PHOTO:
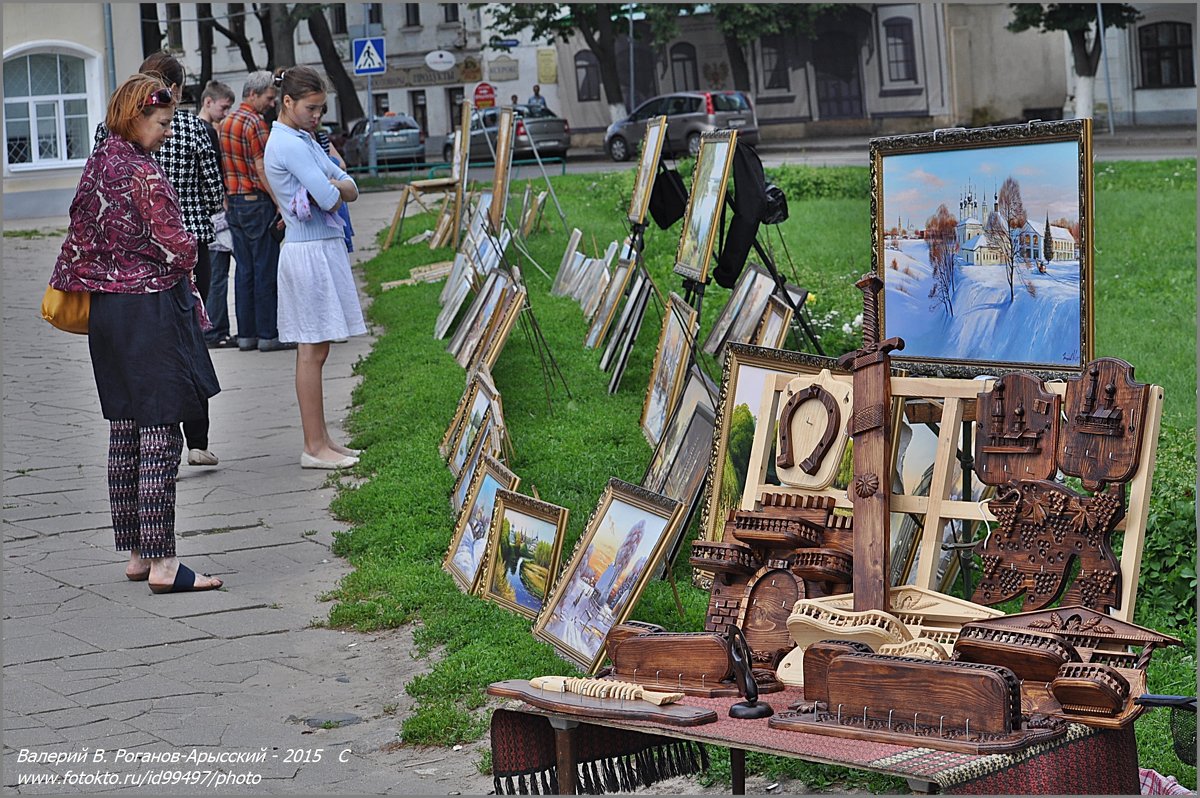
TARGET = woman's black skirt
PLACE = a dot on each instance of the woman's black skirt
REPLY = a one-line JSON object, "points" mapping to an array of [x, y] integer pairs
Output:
{"points": [[149, 357]]}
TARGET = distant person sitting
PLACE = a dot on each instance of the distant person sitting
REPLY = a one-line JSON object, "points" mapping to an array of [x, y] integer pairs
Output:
{"points": [[514, 100], [536, 100]]}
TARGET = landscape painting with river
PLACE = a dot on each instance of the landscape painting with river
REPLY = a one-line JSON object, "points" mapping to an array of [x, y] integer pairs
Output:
{"points": [[524, 561]]}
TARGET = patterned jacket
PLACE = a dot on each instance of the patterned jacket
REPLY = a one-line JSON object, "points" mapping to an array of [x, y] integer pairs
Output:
{"points": [[190, 163], [127, 234]]}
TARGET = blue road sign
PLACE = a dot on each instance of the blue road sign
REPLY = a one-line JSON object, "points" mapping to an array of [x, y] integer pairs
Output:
{"points": [[508, 43], [369, 56]]}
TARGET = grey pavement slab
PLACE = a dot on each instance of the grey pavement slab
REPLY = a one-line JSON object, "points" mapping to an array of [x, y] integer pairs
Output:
{"points": [[92, 660]]}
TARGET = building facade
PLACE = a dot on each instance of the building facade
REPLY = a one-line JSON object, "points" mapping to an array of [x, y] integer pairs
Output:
{"points": [[56, 85]]}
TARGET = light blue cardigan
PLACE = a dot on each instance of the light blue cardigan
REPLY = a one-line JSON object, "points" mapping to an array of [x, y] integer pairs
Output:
{"points": [[293, 161]]}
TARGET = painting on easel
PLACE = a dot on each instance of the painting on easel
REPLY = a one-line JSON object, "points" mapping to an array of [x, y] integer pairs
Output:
{"points": [[983, 239], [713, 166], [652, 143]]}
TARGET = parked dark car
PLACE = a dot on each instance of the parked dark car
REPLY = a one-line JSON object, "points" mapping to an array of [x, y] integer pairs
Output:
{"points": [[550, 132], [398, 137], [689, 114]]}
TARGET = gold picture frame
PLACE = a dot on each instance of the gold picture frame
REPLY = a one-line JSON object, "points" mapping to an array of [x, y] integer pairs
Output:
{"points": [[607, 309], [500, 175], [700, 221], [468, 544], [543, 525], [772, 328], [993, 264], [669, 369], [643, 182], [630, 527], [479, 394]]}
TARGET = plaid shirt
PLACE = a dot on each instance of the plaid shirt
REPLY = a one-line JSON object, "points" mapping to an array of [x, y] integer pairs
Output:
{"points": [[243, 140], [191, 166]]}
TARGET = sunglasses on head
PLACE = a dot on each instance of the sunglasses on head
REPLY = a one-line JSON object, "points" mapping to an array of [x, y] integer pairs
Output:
{"points": [[160, 97]]}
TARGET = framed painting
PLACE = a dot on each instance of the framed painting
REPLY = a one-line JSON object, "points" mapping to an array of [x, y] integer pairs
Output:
{"points": [[458, 294], [523, 559], [608, 305], [501, 173], [752, 274], [983, 239], [487, 444], [738, 407], [478, 312], [667, 373], [628, 334], [568, 260], [465, 439], [700, 220], [596, 289], [477, 341], [635, 289], [699, 391], [622, 545], [652, 143], [492, 344], [773, 327], [479, 394], [468, 545]]}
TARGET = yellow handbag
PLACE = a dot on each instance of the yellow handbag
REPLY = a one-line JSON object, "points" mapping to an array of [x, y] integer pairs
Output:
{"points": [[67, 310]]}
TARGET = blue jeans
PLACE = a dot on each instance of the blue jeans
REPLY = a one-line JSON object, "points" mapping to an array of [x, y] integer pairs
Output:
{"points": [[217, 303], [257, 254]]}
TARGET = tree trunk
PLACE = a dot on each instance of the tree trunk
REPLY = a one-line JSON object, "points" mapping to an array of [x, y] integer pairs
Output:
{"points": [[263, 12], [1084, 96], [236, 33], [151, 32], [738, 68], [283, 29], [349, 107], [204, 30], [601, 40]]}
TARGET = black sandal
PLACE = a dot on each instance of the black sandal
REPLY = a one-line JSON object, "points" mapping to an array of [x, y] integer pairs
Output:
{"points": [[185, 582]]}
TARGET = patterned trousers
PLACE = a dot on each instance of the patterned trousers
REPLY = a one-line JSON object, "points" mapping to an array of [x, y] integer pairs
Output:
{"points": [[142, 465]]}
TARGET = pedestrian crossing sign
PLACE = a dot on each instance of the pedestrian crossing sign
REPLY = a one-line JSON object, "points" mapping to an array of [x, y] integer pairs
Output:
{"points": [[368, 56]]}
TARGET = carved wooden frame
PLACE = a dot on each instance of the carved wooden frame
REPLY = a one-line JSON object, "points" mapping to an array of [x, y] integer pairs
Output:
{"points": [[477, 381], [777, 308], [507, 480], [487, 443], [500, 176], [637, 498], [684, 317], [493, 341], [1077, 130], [534, 508]]}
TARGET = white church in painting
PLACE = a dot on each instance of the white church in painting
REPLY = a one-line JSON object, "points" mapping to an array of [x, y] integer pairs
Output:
{"points": [[972, 241]]}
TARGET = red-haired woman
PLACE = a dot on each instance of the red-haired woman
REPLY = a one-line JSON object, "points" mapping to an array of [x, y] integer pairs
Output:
{"points": [[127, 244]]}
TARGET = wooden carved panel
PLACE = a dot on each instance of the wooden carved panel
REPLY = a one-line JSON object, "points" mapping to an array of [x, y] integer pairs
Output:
{"points": [[1043, 528], [1018, 424], [812, 430], [1105, 409], [770, 596]]}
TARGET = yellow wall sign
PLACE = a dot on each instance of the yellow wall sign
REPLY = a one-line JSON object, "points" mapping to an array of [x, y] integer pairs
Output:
{"points": [[547, 65]]}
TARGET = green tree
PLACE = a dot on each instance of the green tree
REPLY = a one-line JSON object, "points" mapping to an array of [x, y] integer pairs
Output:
{"points": [[742, 23], [741, 439], [1079, 22], [595, 22], [1047, 242]]}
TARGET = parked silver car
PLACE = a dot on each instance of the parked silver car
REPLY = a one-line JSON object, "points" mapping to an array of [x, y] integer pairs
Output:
{"points": [[398, 137], [550, 132], [689, 114]]}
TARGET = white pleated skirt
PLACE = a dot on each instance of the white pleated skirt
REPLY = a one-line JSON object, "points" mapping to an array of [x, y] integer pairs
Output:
{"points": [[318, 300]]}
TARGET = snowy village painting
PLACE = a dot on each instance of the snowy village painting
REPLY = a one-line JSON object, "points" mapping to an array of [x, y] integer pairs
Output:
{"points": [[470, 540], [983, 250], [622, 545]]}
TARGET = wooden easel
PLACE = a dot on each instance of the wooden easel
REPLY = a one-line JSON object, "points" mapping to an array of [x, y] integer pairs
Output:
{"points": [[453, 185], [955, 398]]}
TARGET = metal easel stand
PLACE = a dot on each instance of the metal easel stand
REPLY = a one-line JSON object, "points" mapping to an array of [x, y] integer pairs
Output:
{"points": [[535, 336], [550, 186]]}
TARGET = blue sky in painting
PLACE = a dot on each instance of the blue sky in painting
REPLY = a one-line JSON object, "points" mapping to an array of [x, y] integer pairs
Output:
{"points": [[915, 184]]}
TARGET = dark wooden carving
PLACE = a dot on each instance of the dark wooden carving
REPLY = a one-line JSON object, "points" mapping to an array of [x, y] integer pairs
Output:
{"points": [[812, 463], [954, 706], [665, 660], [621, 631], [1090, 690], [1032, 656], [786, 521], [869, 428], [1105, 409], [1086, 629], [590, 706], [823, 565], [727, 560], [1044, 527], [816, 665], [1018, 424], [770, 595]]}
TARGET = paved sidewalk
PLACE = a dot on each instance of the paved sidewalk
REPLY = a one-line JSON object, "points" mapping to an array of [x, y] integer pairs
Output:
{"points": [[92, 661]]}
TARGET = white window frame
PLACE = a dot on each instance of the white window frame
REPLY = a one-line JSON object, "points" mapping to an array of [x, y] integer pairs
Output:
{"points": [[93, 94]]}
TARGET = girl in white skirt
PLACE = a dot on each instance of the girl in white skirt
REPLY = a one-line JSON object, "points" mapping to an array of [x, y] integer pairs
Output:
{"points": [[318, 302]]}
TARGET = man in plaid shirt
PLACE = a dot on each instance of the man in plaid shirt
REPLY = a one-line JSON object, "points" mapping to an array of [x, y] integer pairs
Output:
{"points": [[251, 214]]}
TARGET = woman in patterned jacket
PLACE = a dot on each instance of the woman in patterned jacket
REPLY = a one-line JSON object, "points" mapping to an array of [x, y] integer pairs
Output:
{"points": [[127, 244]]}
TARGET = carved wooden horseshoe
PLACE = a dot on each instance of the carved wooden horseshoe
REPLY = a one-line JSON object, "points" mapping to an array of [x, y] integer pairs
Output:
{"points": [[811, 464]]}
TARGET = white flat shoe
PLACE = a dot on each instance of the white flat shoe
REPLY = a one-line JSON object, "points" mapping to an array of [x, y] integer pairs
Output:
{"points": [[308, 461], [201, 457]]}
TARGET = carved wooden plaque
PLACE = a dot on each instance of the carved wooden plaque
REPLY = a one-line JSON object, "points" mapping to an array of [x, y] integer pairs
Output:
{"points": [[770, 596], [1105, 409], [812, 430], [1017, 430], [1044, 527]]}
